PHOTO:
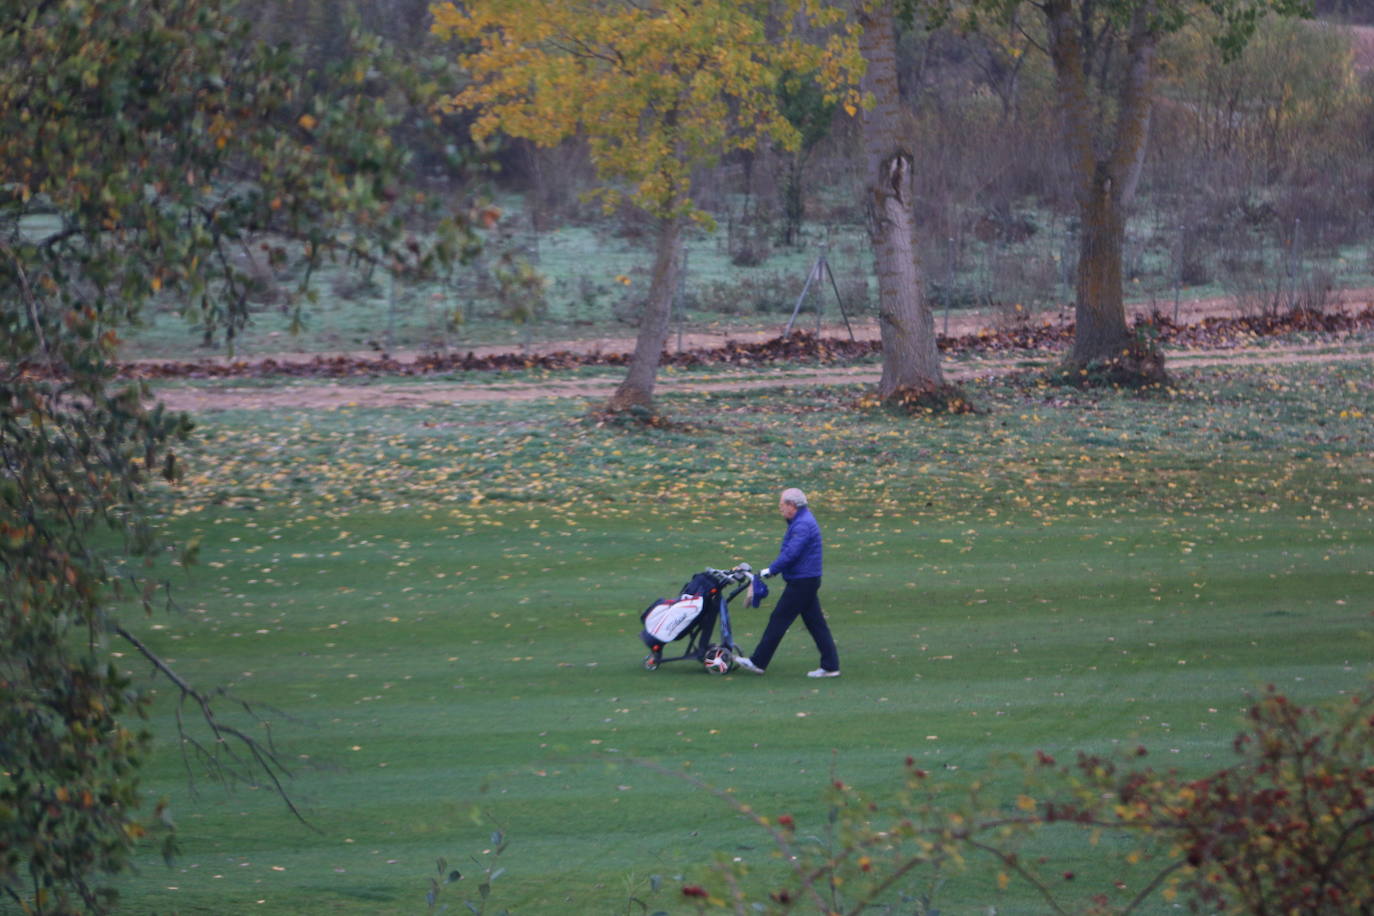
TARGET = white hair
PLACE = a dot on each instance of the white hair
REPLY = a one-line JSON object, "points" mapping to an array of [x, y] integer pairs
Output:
{"points": [[794, 496]]}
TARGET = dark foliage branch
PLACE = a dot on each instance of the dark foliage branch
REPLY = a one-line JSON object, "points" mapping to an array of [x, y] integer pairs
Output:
{"points": [[224, 755], [156, 140]]}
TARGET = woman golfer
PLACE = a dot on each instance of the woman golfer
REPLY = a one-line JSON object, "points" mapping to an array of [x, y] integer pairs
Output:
{"points": [[799, 564]]}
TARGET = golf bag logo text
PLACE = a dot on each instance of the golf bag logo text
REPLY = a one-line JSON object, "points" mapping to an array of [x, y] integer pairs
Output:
{"points": [[666, 620]]}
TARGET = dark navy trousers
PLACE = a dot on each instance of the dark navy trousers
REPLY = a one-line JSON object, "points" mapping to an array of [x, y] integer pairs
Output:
{"points": [[800, 598]]}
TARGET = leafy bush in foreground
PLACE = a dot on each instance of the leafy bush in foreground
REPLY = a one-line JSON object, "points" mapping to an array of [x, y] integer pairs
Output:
{"points": [[1287, 828]]}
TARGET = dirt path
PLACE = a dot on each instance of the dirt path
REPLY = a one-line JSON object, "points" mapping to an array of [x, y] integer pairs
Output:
{"points": [[956, 324], [289, 393], [307, 395]]}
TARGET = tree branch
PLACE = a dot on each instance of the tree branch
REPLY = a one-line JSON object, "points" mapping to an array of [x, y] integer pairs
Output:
{"points": [[1011, 862], [1150, 888], [779, 837], [31, 304], [1136, 102], [264, 758]]}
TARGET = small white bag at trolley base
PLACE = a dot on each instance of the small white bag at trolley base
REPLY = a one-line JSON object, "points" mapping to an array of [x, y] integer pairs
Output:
{"points": [[692, 616]]}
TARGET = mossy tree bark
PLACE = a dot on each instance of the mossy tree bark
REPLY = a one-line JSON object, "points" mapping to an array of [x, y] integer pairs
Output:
{"points": [[911, 358], [1106, 159]]}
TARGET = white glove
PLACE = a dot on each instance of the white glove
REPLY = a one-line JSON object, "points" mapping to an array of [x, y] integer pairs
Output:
{"points": [[766, 572]]}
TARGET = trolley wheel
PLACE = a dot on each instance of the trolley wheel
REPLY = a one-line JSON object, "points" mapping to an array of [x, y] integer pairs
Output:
{"points": [[650, 663], [718, 660]]}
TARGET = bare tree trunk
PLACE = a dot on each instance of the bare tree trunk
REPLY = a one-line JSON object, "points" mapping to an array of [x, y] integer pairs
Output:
{"points": [[637, 390], [911, 359], [1100, 330], [793, 206], [1105, 178]]}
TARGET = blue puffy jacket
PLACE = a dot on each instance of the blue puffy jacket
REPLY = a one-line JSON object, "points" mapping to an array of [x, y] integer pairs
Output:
{"points": [[800, 554]]}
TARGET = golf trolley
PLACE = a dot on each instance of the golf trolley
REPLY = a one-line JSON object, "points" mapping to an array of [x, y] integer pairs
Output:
{"points": [[692, 616]]}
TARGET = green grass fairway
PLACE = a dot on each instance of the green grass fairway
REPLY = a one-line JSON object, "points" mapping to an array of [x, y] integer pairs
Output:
{"points": [[438, 612]]}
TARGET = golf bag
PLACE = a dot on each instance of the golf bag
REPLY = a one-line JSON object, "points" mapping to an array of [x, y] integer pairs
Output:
{"points": [[693, 615]]}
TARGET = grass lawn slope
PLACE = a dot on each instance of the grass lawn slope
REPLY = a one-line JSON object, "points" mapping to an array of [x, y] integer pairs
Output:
{"points": [[437, 611]]}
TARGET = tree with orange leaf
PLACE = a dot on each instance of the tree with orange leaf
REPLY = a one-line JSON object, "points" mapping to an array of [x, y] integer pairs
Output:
{"points": [[657, 90]]}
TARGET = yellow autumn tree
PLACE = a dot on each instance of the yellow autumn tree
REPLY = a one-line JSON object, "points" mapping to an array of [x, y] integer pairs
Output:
{"points": [[657, 90]]}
